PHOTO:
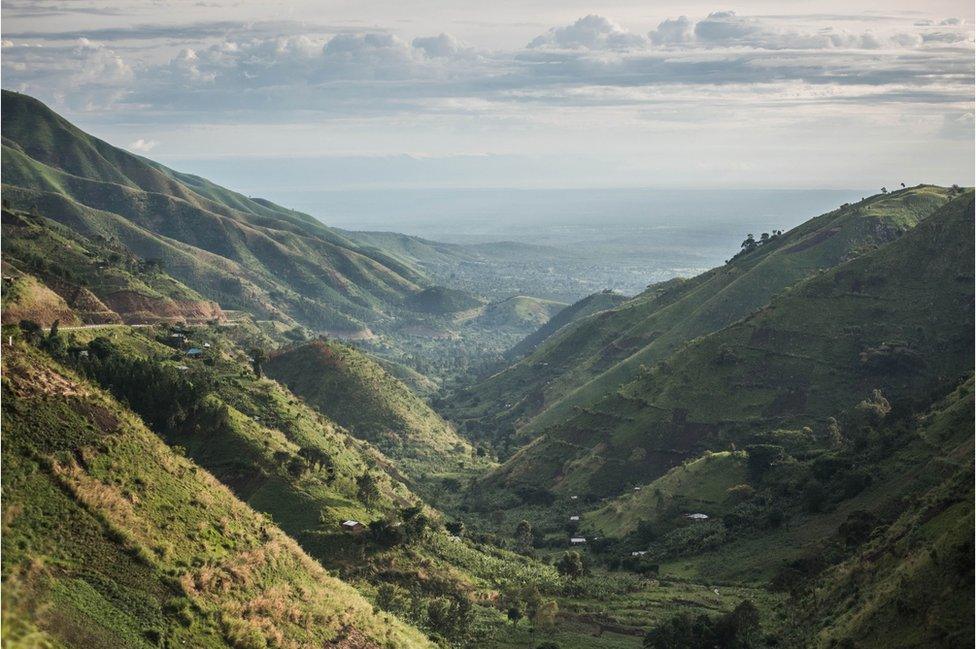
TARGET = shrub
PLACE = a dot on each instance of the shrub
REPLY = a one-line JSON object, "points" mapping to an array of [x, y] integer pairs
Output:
{"points": [[814, 496], [762, 457], [694, 538], [571, 565]]}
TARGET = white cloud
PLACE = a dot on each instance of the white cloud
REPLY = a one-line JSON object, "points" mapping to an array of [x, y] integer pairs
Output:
{"points": [[142, 145], [726, 29], [590, 32], [672, 32], [442, 45]]}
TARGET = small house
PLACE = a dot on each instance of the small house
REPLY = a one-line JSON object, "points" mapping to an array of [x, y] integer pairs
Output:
{"points": [[574, 519], [352, 526], [637, 488], [194, 352], [206, 345], [638, 553], [573, 497], [697, 517], [182, 368], [577, 540]]}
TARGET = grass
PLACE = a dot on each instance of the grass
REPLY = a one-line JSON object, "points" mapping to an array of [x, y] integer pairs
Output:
{"points": [[587, 306], [355, 391], [112, 539], [700, 485]]}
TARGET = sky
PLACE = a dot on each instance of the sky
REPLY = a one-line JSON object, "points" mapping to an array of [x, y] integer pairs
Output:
{"points": [[333, 94]]}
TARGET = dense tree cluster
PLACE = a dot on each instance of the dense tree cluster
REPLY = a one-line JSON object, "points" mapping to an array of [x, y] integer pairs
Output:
{"points": [[738, 629]]}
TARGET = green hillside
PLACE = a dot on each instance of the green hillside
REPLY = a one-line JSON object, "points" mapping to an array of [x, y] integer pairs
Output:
{"points": [[897, 319], [27, 298], [302, 472], [597, 355], [352, 389], [112, 539], [99, 279], [239, 252], [910, 585], [871, 536], [587, 306]]}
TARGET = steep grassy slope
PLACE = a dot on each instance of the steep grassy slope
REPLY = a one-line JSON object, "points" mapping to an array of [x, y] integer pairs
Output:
{"points": [[587, 306], [301, 470], [252, 434], [360, 395], [111, 539], [27, 298], [596, 355], [240, 252], [898, 319], [101, 280], [911, 583]]}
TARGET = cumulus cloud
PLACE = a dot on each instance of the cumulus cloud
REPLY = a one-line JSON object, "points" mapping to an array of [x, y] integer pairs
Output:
{"points": [[440, 46], [725, 29], [590, 33], [142, 145], [673, 32], [84, 74]]}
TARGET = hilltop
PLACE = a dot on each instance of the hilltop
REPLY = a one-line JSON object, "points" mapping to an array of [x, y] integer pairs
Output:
{"points": [[520, 311]]}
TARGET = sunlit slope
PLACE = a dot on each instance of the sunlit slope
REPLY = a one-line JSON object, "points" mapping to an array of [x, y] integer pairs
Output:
{"points": [[97, 278], [355, 391], [596, 355], [112, 539], [273, 260], [898, 319], [252, 434]]}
